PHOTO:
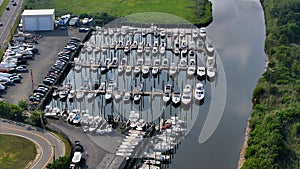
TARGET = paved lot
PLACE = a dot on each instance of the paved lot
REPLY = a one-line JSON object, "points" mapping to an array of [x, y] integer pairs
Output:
{"points": [[49, 45]]}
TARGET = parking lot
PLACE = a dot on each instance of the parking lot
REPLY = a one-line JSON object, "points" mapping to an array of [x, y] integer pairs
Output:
{"points": [[48, 47]]}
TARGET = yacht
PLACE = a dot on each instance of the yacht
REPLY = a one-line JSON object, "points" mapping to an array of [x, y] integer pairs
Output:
{"points": [[155, 68], [162, 48], [134, 45], [173, 69], [209, 48], [146, 67], [128, 69], [176, 97], [191, 67], [176, 47], [71, 95], [199, 91], [139, 89], [117, 95], [109, 91], [201, 71], [211, 72], [167, 93], [147, 47], [210, 61], [182, 63], [127, 97], [186, 94], [202, 32], [195, 33], [165, 62], [140, 47], [155, 47]]}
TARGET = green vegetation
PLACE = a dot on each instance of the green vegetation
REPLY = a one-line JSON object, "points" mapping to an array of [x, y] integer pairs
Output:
{"points": [[3, 6], [275, 137], [16, 152], [103, 11], [60, 163]]}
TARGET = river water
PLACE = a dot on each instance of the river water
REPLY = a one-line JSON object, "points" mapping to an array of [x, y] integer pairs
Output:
{"points": [[238, 33]]}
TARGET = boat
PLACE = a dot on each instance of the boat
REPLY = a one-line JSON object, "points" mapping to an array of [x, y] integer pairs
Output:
{"points": [[74, 21], [128, 69], [162, 34], [77, 66], [134, 45], [140, 47], [63, 95], [49, 112], [147, 47], [201, 71], [176, 47], [165, 62], [55, 94], [182, 63], [195, 33], [173, 69], [155, 47], [202, 32], [155, 68], [117, 95], [211, 72], [79, 94], [126, 49], [90, 96], [210, 61], [186, 94], [85, 21], [209, 48], [77, 157], [93, 64], [176, 97], [167, 93], [191, 67], [77, 118], [127, 96], [162, 48], [71, 116], [121, 66], [184, 47], [146, 67], [139, 88], [199, 91]]}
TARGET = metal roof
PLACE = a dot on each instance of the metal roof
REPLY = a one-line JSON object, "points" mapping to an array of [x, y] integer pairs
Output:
{"points": [[38, 12]]}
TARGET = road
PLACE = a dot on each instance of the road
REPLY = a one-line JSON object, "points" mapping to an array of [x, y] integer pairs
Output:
{"points": [[8, 18], [49, 146]]}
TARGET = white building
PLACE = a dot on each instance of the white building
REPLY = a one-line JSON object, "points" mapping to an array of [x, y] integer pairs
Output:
{"points": [[38, 20]]}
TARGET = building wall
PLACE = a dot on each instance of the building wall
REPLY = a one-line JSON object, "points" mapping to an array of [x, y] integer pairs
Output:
{"points": [[33, 22]]}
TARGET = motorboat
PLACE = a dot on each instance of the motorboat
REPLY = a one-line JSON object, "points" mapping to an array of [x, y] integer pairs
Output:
{"points": [[136, 70], [211, 72], [76, 157], [167, 93], [134, 45], [176, 97], [128, 69], [209, 48], [210, 61], [201, 71], [146, 67], [182, 63], [184, 47], [140, 48], [155, 68], [202, 32], [155, 47], [85, 21], [91, 95], [71, 95], [77, 118], [186, 94], [77, 66], [126, 49], [79, 94], [195, 33], [176, 47], [199, 91], [165, 62], [173, 69], [162, 48], [191, 67], [117, 95], [63, 95], [127, 96], [121, 66], [55, 94], [139, 89], [147, 47]]}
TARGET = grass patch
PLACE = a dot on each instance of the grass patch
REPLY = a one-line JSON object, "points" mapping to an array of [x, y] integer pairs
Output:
{"points": [[67, 144], [195, 11], [3, 5], [16, 152]]}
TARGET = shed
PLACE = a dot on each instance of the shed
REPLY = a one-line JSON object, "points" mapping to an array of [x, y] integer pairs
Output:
{"points": [[38, 20]]}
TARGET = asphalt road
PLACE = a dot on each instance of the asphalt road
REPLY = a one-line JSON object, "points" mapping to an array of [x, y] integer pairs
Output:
{"points": [[49, 146], [8, 18]]}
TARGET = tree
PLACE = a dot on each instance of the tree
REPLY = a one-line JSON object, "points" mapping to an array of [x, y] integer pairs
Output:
{"points": [[60, 163]]}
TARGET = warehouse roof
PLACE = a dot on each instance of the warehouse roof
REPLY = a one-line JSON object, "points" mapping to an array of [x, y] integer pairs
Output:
{"points": [[38, 12]]}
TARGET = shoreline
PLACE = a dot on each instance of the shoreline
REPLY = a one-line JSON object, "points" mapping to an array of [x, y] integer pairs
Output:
{"points": [[242, 158]]}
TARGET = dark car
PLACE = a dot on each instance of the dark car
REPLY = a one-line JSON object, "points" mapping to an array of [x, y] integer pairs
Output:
{"points": [[1, 23], [7, 8], [14, 4]]}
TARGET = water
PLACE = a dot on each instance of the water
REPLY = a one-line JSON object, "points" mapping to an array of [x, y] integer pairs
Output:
{"points": [[238, 32]]}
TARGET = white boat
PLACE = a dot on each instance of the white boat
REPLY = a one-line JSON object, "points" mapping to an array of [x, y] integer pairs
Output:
{"points": [[165, 62], [77, 65], [176, 47], [167, 93], [117, 95], [173, 69], [134, 45], [162, 147], [176, 97], [49, 112], [128, 69], [79, 94], [186, 94], [91, 95], [182, 63], [195, 33], [191, 67], [63, 95], [146, 67], [147, 47], [211, 72], [209, 48], [210, 61], [71, 117], [136, 70], [108, 93], [162, 48], [199, 91], [140, 47], [155, 68], [77, 157], [127, 96], [126, 49], [77, 118], [192, 45], [139, 88], [155, 47], [85, 21], [74, 21], [201, 71], [101, 86], [202, 32]]}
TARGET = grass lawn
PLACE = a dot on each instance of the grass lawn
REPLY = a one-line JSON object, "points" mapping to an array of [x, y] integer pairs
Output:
{"points": [[195, 11], [16, 152]]}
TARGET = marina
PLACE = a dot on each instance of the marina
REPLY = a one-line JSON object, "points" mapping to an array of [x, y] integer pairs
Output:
{"points": [[143, 88]]}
